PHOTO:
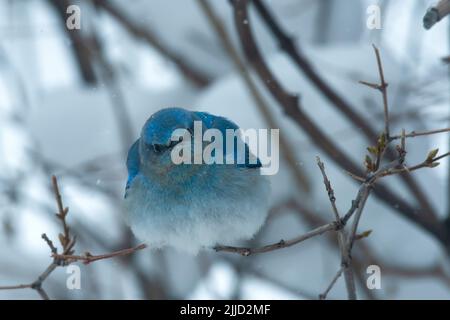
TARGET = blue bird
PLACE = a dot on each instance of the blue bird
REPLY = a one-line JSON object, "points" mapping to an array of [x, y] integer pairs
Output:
{"points": [[190, 206]]}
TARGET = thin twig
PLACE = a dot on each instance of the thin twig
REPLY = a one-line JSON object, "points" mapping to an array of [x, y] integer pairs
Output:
{"points": [[426, 164], [197, 77], [245, 251], [287, 44], [436, 13], [291, 107], [19, 286], [345, 254], [329, 189], [383, 88], [88, 258], [78, 42], [67, 256], [423, 133], [323, 295]]}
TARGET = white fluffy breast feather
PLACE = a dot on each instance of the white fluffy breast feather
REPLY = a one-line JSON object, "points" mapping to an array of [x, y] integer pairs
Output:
{"points": [[201, 215]]}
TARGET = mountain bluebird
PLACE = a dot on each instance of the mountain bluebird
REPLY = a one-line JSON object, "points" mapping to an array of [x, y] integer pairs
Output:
{"points": [[190, 206]]}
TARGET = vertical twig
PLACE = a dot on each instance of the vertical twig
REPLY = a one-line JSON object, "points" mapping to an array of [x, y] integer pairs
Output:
{"points": [[287, 44], [67, 256], [345, 254], [291, 107], [383, 88]]}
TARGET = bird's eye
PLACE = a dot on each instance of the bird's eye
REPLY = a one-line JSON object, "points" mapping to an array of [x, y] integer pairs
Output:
{"points": [[157, 148], [173, 143]]}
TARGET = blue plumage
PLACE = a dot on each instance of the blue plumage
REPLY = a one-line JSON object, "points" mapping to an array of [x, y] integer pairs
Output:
{"points": [[190, 206]]}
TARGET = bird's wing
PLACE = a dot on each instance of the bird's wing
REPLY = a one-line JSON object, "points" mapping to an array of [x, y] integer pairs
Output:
{"points": [[132, 163]]}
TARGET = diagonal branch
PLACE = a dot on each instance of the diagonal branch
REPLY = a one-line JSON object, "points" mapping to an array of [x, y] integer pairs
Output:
{"points": [[414, 134], [290, 105], [286, 43], [436, 13], [197, 77], [245, 251], [346, 266], [88, 257], [80, 50], [260, 102], [67, 257]]}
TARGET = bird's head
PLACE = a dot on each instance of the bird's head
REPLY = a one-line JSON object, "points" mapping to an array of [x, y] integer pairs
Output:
{"points": [[167, 132], [157, 140]]}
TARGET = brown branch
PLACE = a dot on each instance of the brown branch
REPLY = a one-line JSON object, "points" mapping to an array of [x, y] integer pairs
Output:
{"points": [[323, 295], [290, 105], [197, 77], [423, 133], [435, 270], [428, 163], [383, 88], [329, 189], [88, 258], [66, 240], [79, 48], [227, 44], [19, 286], [287, 44], [366, 188], [345, 254], [436, 13], [245, 251], [313, 218], [67, 256], [89, 46]]}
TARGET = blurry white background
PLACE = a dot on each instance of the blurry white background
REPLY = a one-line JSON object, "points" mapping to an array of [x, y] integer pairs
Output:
{"points": [[57, 119]]}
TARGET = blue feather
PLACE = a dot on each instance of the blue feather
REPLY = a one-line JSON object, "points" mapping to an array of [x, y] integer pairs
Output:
{"points": [[223, 124]]}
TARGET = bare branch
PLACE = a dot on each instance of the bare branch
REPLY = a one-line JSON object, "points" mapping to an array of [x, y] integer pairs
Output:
{"points": [[67, 256], [374, 172], [423, 133], [79, 42], [260, 102], [88, 258], [436, 13], [383, 86], [197, 77], [323, 295], [281, 244], [428, 163], [290, 105], [287, 44], [345, 254], [329, 189]]}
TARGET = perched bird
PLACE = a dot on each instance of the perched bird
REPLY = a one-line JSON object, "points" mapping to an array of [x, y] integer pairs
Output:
{"points": [[190, 206]]}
